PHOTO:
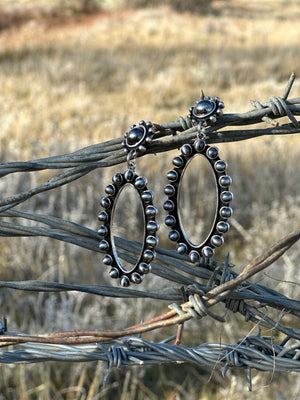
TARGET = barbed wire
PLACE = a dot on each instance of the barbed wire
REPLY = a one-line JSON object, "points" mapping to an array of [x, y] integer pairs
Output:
{"points": [[197, 290]]}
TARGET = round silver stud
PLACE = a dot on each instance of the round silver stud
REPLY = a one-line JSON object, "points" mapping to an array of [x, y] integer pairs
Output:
{"points": [[220, 166], [172, 175], [147, 196], [125, 282], [207, 252], [169, 190], [148, 256], [199, 145], [103, 216], [217, 240], [129, 175], [169, 205], [152, 241], [144, 268], [114, 273], [103, 231], [107, 260], [136, 278], [151, 211], [194, 256], [212, 119], [140, 182], [203, 108], [118, 179], [212, 152], [182, 248], [174, 236], [152, 226], [106, 202], [225, 181], [226, 197], [223, 227], [103, 245], [226, 212], [170, 220], [186, 150], [178, 162], [110, 190]]}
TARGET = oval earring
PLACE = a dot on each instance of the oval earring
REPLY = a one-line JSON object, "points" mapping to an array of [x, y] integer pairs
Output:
{"points": [[135, 142], [205, 110]]}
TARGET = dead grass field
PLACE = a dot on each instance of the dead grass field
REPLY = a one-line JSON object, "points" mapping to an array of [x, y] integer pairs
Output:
{"points": [[70, 82]]}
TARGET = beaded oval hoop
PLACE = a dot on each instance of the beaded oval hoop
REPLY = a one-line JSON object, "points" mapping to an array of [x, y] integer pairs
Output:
{"points": [[135, 141], [205, 110]]}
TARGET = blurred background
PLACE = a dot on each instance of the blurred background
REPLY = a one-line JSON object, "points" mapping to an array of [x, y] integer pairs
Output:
{"points": [[79, 72]]}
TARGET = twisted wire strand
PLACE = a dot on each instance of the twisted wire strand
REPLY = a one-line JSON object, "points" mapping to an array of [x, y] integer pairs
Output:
{"points": [[257, 353]]}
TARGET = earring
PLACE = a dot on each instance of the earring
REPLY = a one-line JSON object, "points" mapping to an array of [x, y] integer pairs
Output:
{"points": [[205, 111], [135, 143]]}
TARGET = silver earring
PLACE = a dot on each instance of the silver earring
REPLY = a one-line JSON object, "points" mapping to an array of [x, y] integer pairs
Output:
{"points": [[205, 111], [135, 143]]}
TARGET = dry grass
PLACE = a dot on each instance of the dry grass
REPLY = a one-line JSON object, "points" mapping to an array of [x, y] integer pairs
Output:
{"points": [[67, 83]]}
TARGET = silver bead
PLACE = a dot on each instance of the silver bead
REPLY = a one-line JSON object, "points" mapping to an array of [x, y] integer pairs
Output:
{"points": [[169, 190], [144, 268], [114, 273], [169, 205], [194, 256], [106, 202], [136, 278], [182, 248], [151, 211], [203, 108], [134, 136], [212, 152], [141, 149], [172, 175], [212, 119], [103, 245], [118, 179], [186, 150], [103, 231], [152, 226], [226, 197], [207, 252], [199, 145], [125, 282], [110, 190], [152, 241], [140, 182], [103, 216], [221, 104], [225, 181], [148, 256], [147, 196], [219, 112], [178, 162], [129, 175], [170, 220], [226, 212], [220, 166], [217, 240], [107, 260], [174, 236], [223, 226]]}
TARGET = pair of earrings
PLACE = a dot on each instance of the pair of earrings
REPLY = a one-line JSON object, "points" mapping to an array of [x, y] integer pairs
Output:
{"points": [[135, 142]]}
